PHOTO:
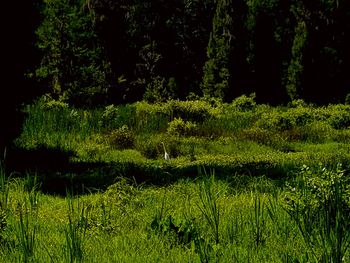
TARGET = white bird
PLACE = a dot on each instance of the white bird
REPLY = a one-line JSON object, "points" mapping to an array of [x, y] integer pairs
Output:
{"points": [[166, 155]]}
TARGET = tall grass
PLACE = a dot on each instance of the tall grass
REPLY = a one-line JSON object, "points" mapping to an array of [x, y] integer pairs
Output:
{"points": [[75, 230], [321, 210], [209, 206], [26, 234], [203, 220]]}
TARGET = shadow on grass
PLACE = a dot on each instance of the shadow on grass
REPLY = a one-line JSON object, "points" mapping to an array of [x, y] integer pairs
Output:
{"points": [[57, 174]]}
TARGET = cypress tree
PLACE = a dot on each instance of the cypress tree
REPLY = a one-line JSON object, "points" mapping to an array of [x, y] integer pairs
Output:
{"points": [[295, 68], [216, 79]]}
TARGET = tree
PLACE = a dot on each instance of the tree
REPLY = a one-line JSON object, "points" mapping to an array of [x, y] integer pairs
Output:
{"points": [[295, 68], [73, 64], [216, 79]]}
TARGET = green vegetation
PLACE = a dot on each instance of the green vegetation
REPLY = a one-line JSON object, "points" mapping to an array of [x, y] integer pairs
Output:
{"points": [[237, 137], [241, 218], [84, 176]]}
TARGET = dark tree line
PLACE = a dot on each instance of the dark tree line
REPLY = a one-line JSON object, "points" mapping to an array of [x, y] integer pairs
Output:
{"points": [[99, 51], [92, 52]]}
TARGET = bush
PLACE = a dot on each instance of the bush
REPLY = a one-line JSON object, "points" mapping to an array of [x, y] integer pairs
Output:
{"points": [[180, 127], [269, 120], [48, 103], [244, 103], [317, 132], [158, 90], [150, 147], [197, 110], [258, 135], [319, 204], [121, 138], [340, 119], [109, 116]]}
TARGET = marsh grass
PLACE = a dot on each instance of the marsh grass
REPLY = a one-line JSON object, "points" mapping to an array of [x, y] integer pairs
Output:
{"points": [[239, 215], [258, 139], [75, 230], [209, 206], [319, 206], [26, 233], [208, 219]]}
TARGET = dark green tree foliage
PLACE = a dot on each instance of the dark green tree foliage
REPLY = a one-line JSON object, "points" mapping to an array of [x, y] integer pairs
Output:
{"points": [[161, 49], [216, 79], [295, 68], [73, 64]]}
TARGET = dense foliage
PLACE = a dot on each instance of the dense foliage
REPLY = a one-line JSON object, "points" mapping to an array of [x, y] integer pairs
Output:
{"points": [[123, 51]]}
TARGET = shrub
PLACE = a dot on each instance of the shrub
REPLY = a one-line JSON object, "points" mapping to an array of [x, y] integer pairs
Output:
{"points": [[149, 147], [109, 115], [286, 119], [319, 204], [48, 103], [158, 90], [316, 132], [91, 148], [297, 103], [301, 116], [196, 110], [152, 117], [244, 103], [340, 119], [258, 135], [3, 221], [180, 127], [121, 138], [268, 120], [347, 99]]}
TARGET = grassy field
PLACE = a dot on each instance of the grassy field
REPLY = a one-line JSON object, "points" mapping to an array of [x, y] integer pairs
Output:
{"points": [[244, 219], [244, 183]]}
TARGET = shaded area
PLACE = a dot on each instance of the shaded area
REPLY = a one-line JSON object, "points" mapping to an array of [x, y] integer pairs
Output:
{"points": [[57, 174]]}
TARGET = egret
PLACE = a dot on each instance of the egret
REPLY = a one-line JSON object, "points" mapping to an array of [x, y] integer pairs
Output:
{"points": [[166, 155]]}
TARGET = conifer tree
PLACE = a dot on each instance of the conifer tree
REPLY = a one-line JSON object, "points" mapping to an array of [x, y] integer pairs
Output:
{"points": [[216, 77], [72, 65], [295, 68]]}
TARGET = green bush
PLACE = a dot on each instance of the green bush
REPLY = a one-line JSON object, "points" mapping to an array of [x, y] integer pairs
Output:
{"points": [[257, 134], [109, 116], [284, 119], [319, 204], [269, 120], [317, 132], [151, 117], [121, 138], [149, 146], [244, 103], [180, 127], [340, 119], [297, 103], [197, 110], [48, 103]]}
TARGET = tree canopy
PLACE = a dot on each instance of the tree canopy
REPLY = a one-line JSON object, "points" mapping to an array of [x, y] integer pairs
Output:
{"points": [[93, 52]]}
